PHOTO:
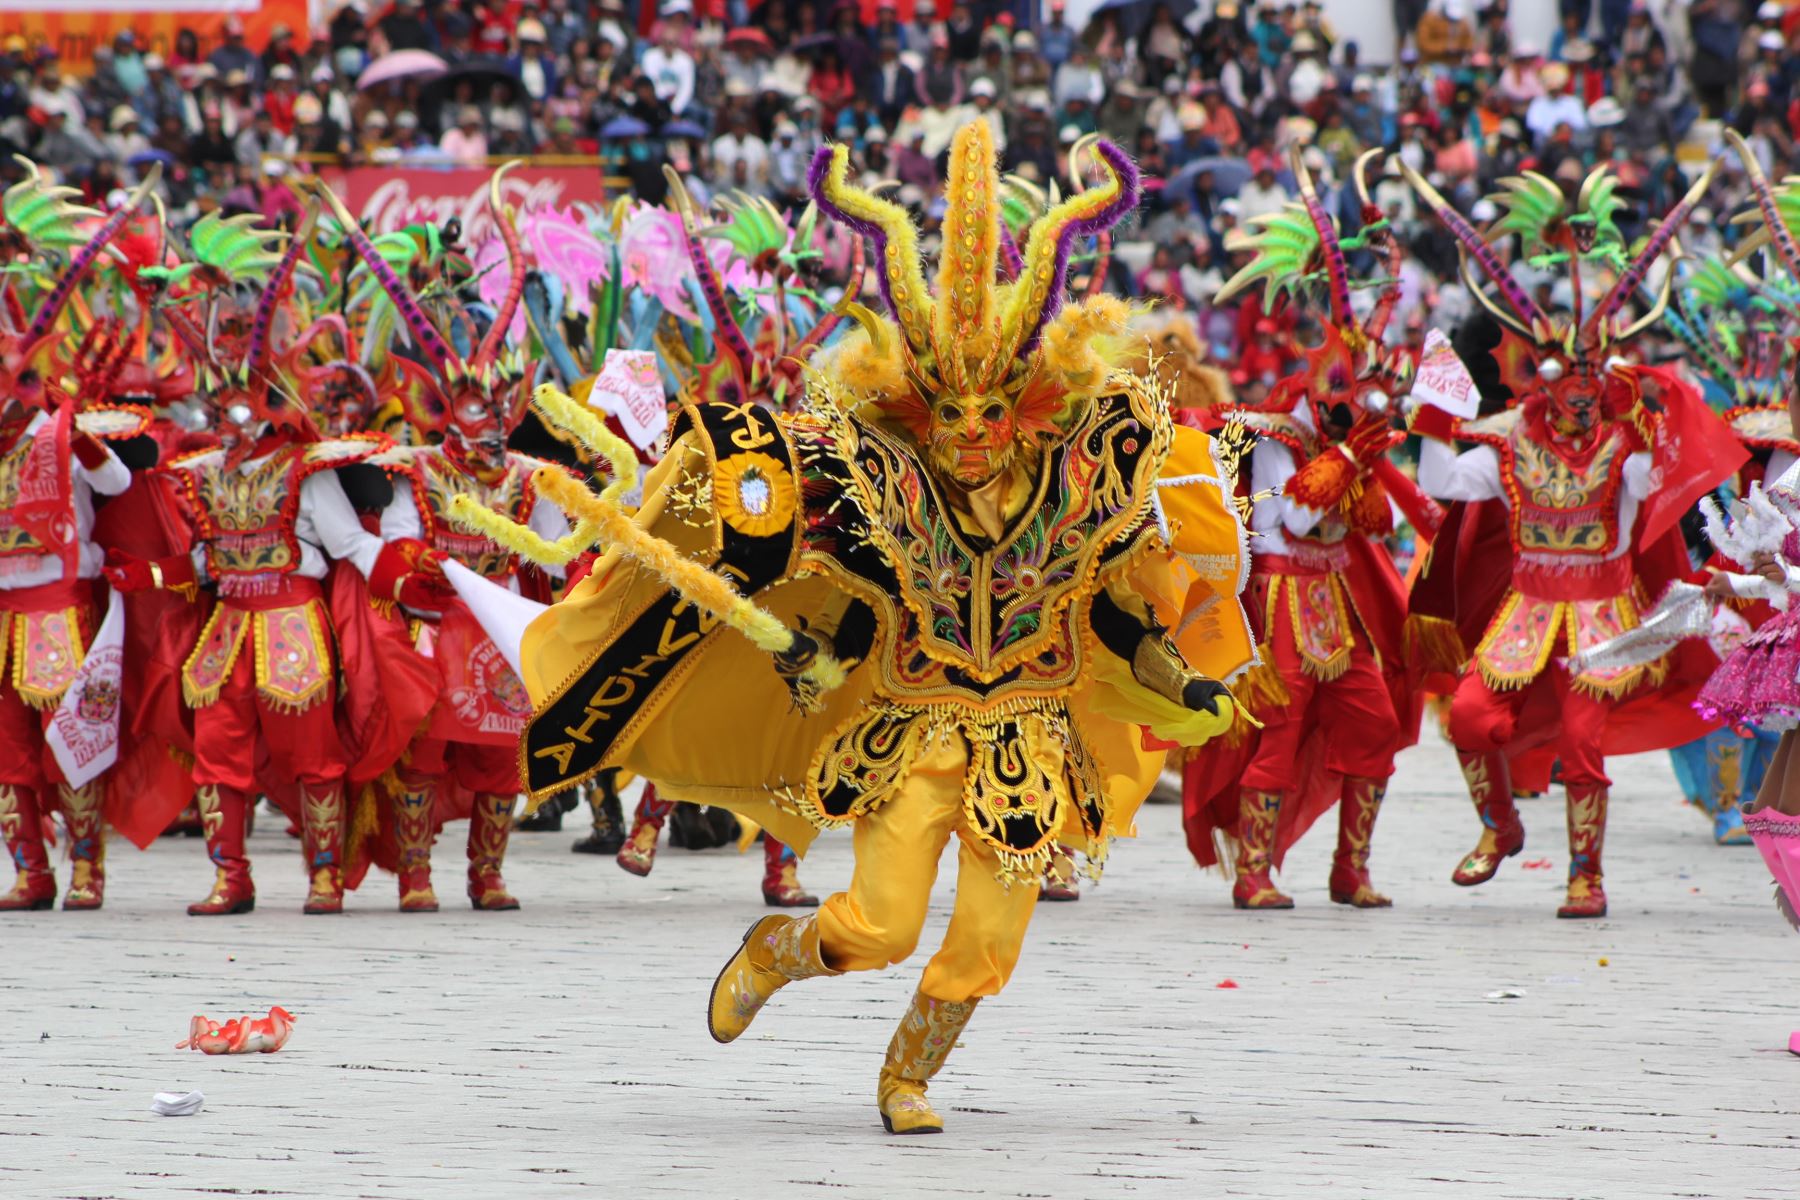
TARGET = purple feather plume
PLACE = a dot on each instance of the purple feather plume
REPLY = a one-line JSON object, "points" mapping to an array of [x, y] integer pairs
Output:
{"points": [[1011, 261], [1130, 192]]}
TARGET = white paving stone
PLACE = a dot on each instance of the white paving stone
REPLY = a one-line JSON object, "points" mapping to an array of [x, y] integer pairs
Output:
{"points": [[562, 1049]]}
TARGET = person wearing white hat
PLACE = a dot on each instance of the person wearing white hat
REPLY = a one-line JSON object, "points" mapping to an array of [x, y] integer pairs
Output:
{"points": [[322, 86], [983, 108], [125, 139], [535, 68], [1605, 113]]}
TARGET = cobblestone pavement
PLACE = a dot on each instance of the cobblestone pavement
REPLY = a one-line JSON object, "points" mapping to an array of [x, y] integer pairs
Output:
{"points": [[562, 1049]]}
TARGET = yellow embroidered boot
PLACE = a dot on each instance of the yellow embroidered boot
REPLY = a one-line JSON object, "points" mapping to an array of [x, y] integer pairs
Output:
{"points": [[924, 1040], [87, 846], [775, 952], [490, 827], [1357, 810], [1257, 814], [322, 842], [412, 830]]}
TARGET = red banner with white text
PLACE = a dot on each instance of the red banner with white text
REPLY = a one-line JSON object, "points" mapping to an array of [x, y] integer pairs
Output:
{"points": [[387, 198]]}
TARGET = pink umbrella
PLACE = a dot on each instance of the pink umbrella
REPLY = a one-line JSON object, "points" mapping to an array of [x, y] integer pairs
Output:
{"points": [[401, 64]]}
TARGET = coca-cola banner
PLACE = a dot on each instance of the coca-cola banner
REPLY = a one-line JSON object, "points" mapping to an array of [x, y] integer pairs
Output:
{"points": [[387, 198]]}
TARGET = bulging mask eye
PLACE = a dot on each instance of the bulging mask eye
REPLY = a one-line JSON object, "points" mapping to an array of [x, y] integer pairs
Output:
{"points": [[1550, 370], [238, 414], [994, 413], [949, 414], [473, 411]]}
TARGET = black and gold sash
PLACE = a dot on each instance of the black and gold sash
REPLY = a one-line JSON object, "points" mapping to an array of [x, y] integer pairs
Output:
{"points": [[755, 532]]}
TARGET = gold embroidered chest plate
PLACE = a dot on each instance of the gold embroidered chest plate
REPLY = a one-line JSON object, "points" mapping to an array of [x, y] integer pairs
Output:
{"points": [[1561, 507], [438, 482], [247, 517]]}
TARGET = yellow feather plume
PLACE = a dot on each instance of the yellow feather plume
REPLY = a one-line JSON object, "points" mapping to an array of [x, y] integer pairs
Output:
{"points": [[1084, 341], [858, 366], [971, 247]]}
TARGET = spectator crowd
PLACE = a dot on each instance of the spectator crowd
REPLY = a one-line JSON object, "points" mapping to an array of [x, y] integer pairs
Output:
{"points": [[1212, 98]]}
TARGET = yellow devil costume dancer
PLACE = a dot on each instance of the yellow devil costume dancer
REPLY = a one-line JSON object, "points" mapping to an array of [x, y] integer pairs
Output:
{"points": [[954, 556]]}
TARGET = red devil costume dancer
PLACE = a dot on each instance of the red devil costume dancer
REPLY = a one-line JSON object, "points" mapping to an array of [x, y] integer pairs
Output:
{"points": [[1571, 466], [268, 515], [51, 466], [1327, 601], [471, 745]]}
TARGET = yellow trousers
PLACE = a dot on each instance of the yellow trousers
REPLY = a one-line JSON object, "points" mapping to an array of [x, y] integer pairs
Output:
{"points": [[877, 922]]}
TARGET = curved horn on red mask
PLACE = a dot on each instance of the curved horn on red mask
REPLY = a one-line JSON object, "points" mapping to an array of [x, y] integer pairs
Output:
{"points": [[1628, 281], [256, 354], [1337, 271], [52, 304], [727, 336], [1526, 316], [515, 263], [430, 341], [852, 289], [1784, 242]]}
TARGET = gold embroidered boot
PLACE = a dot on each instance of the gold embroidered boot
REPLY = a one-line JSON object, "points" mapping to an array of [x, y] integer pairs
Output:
{"points": [[924, 1040], [412, 830], [1357, 809], [490, 827], [1255, 886], [322, 837], [87, 846], [1502, 833], [34, 888], [1587, 834], [775, 952], [224, 818]]}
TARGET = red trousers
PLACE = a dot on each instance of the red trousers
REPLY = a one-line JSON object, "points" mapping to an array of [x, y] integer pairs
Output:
{"points": [[1354, 714], [477, 766], [1483, 720], [300, 745], [25, 758]]}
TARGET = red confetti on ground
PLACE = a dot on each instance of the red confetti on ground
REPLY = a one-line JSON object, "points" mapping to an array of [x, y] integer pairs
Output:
{"points": [[1227, 983], [1537, 864]]}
